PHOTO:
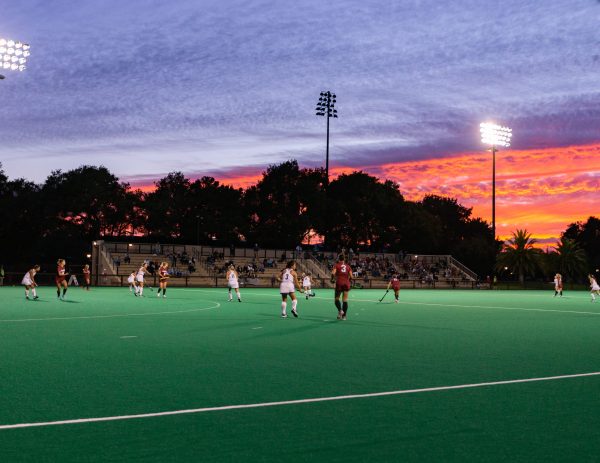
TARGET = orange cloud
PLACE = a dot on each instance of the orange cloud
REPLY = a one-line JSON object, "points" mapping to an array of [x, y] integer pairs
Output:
{"points": [[542, 190]]}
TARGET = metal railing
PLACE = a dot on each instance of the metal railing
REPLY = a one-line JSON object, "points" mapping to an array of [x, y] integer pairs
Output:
{"points": [[47, 279]]}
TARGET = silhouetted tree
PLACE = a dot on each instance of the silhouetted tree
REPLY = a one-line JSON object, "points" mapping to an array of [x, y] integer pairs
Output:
{"points": [[284, 205], [520, 255], [362, 211], [587, 236]]}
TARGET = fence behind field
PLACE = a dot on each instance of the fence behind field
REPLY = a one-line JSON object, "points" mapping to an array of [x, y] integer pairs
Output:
{"points": [[219, 281]]}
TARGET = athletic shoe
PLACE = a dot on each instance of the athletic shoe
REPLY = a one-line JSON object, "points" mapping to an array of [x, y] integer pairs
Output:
{"points": [[283, 315], [164, 296], [396, 301], [229, 300], [35, 298], [157, 294], [294, 313], [239, 300], [344, 317], [339, 317], [27, 297]]}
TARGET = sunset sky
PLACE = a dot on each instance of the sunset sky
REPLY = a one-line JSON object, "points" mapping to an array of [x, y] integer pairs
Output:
{"points": [[225, 88]]}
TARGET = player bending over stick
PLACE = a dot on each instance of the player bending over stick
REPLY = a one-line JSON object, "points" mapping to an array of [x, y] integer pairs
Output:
{"points": [[29, 282]]}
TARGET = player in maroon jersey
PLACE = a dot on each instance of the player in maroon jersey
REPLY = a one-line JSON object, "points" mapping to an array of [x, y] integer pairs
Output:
{"points": [[343, 275], [61, 278], [163, 273], [395, 285]]}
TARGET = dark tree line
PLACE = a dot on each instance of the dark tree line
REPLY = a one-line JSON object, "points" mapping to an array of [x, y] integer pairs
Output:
{"points": [[62, 216]]}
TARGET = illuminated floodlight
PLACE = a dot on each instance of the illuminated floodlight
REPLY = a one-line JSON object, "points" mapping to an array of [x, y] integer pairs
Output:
{"points": [[495, 135], [13, 55]]}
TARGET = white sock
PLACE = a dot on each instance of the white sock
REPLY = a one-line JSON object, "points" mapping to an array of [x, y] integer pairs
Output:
{"points": [[294, 304], [283, 308], [33, 292], [230, 296], [239, 296], [27, 293], [141, 290], [593, 297]]}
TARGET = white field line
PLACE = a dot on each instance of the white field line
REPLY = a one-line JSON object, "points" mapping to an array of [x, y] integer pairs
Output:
{"points": [[293, 402], [433, 304], [215, 306]]}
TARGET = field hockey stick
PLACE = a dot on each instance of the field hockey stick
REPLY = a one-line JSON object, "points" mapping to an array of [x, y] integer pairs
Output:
{"points": [[386, 291]]}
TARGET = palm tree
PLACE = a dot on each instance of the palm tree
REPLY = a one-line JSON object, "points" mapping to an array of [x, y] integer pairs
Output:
{"points": [[570, 258], [519, 255]]}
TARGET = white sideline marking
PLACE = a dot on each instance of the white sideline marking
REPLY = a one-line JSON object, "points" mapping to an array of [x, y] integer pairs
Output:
{"points": [[128, 337], [216, 306], [293, 402], [432, 304], [257, 328]]}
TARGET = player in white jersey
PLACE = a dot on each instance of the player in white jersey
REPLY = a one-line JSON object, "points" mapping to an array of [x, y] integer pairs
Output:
{"points": [[307, 285], [233, 283], [29, 282], [288, 283], [595, 289], [139, 278], [131, 281]]}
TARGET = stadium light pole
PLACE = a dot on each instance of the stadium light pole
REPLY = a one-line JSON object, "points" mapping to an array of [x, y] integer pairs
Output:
{"points": [[13, 55], [494, 135], [326, 108]]}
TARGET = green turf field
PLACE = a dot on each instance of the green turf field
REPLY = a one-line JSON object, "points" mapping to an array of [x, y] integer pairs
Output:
{"points": [[105, 353]]}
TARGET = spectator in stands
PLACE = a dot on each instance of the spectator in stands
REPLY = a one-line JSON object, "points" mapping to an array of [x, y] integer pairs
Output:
{"points": [[127, 259], [231, 250], [256, 250]]}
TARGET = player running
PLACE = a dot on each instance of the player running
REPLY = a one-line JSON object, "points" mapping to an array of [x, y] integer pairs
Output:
{"points": [[131, 281], [343, 276], [307, 285], [163, 275], [86, 277], [139, 278], [394, 283], [595, 289], [558, 285], [29, 282], [288, 283], [233, 283], [61, 279]]}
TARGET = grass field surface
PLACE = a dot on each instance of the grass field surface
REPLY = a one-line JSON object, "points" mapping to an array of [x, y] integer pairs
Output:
{"points": [[105, 376]]}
